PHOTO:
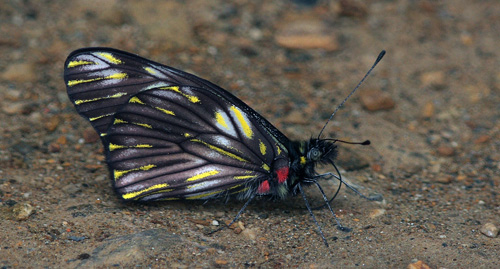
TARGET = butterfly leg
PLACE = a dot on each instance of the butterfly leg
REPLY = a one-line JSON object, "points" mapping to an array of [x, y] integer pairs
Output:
{"points": [[312, 215]]}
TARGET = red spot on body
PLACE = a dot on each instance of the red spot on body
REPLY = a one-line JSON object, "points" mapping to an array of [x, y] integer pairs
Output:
{"points": [[282, 174], [264, 187]]}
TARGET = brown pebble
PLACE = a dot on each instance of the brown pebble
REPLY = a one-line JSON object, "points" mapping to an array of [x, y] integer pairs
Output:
{"points": [[306, 34], [200, 221], [19, 72], [62, 140], [52, 123], [489, 229], [482, 139], [221, 262], [444, 179], [375, 100], [428, 110], [435, 79], [22, 211], [350, 8], [54, 147], [446, 151], [90, 135], [377, 213], [418, 265]]}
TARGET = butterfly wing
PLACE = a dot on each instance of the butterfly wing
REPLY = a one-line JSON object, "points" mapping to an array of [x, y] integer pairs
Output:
{"points": [[169, 134], [100, 80]]}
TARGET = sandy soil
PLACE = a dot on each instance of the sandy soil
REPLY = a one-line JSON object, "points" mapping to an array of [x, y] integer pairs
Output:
{"points": [[431, 109]]}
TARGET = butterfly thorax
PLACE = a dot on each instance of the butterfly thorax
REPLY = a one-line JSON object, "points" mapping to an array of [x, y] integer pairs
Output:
{"points": [[304, 156]]}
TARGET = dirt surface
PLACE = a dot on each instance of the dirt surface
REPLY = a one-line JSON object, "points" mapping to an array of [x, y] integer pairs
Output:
{"points": [[431, 109]]}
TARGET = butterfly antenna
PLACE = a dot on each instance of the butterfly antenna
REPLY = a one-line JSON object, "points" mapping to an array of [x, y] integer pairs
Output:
{"points": [[380, 56]]}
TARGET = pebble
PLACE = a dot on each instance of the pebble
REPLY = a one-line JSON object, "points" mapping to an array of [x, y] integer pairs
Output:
{"points": [[350, 8], [19, 72], [130, 248], [306, 34], [90, 135], [215, 223], [22, 211], [434, 79], [445, 151], [418, 265], [482, 139], [444, 179], [489, 229], [375, 100], [428, 110], [377, 213]]}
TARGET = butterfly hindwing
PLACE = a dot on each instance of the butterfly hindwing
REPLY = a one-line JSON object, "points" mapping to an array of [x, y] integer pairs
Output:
{"points": [[162, 145]]}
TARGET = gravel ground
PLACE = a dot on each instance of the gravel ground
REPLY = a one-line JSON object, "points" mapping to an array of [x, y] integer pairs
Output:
{"points": [[431, 109]]}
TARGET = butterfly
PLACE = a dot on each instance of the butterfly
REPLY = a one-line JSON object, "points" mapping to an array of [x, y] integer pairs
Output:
{"points": [[170, 135]]}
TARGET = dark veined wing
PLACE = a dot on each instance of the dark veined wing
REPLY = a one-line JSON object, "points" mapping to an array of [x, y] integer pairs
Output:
{"points": [[187, 143], [100, 80], [169, 134]]}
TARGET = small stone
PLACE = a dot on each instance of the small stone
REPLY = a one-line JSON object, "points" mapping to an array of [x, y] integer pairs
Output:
{"points": [[375, 100], [52, 123], [418, 265], [377, 213], [489, 229], [250, 234], [221, 262], [90, 135], [444, 179], [446, 151], [434, 79], [482, 139], [428, 110], [350, 8], [54, 147], [19, 72], [306, 34], [22, 211], [215, 223]]}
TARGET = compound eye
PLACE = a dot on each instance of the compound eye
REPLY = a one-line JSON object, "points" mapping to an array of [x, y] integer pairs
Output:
{"points": [[314, 154]]}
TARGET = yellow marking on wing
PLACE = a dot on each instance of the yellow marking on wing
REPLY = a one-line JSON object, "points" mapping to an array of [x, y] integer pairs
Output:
{"points": [[115, 146], [203, 175], [266, 167], [169, 112], [244, 177], [262, 147], [80, 81], [110, 57], [187, 135], [103, 134], [101, 116], [302, 160], [244, 124], [119, 173], [136, 100], [221, 151], [150, 70], [279, 150], [220, 119], [116, 95], [143, 125], [191, 98], [132, 195], [118, 121], [199, 196], [78, 63]]}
